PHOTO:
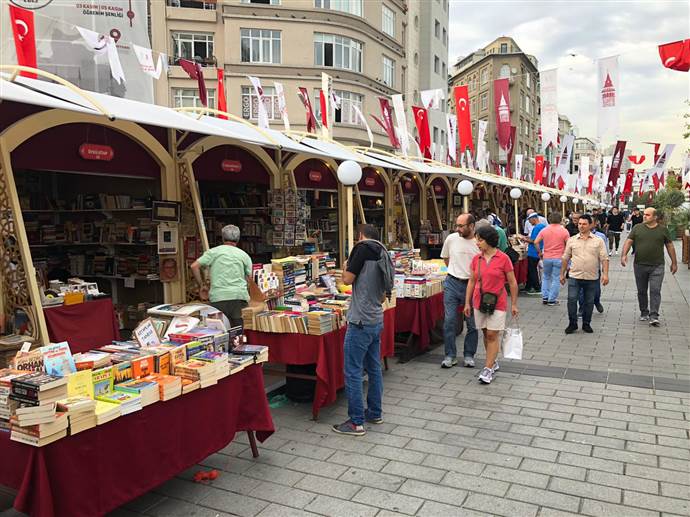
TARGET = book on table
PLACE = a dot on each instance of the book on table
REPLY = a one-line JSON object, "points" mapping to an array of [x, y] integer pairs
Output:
{"points": [[91, 360], [28, 361], [57, 359], [189, 385], [128, 402], [106, 411], [28, 439], [58, 423], [169, 386], [103, 380], [147, 389]]}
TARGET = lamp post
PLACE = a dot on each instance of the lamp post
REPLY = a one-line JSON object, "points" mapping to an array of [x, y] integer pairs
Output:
{"points": [[516, 193], [564, 199], [546, 197], [349, 174], [465, 188]]}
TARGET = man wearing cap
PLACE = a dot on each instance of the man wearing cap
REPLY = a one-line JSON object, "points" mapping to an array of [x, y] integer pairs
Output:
{"points": [[533, 286]]}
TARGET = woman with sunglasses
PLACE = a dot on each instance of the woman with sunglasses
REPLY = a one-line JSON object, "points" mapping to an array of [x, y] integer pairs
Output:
{"points": [[487, 297]]}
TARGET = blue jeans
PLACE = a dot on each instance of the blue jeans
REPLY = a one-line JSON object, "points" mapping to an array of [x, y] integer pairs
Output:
{"points": [[589, 289], [363, 352], [597, 294], [550, 279], [453, 296]]}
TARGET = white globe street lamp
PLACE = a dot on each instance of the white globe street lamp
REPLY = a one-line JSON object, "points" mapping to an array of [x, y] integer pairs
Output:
{"points": [[349, 174], [465, 188], [546, 197], [564, 200], [516, 194]]}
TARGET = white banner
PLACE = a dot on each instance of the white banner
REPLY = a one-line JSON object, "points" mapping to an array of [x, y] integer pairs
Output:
{"points": [[432, 99], [145, 58], [482, 155], [61, 50], [282, 106], [661, 164], [363, 120], [452, 135], [605, 171], [468, 154], [103, 44], [518, 166], [583, 177], [548, 89], [565, 152], [401, 123], [326, 87], [608, 91], [261, 107]]}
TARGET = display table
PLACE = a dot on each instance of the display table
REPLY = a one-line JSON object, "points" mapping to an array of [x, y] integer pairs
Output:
{"points": [[102, 468], [418, 316], [325, 351], [84, 326], [520, 268]]}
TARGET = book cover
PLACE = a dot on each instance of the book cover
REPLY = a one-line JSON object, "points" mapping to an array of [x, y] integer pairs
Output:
{"points": [[57, 359], [142, 366], [181, 325], [80, 384], [102, 381], [194, 347], [90, 360], [39, 381], [178, 355], [119, 397], [162, 363], [76, 404], [122, 372], [28, 361]]}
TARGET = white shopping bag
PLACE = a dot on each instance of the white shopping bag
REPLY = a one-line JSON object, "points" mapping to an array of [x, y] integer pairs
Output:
{"points": [[512, 343]]}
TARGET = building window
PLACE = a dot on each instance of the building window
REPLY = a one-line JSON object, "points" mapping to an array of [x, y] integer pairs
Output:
{"points": [[504, 48], [526, 102], [416, 58], [484, 100], [337, 52], [443, 70], [437, 29], [504, 72], [388, 20], [346, 114], [346, 6], [261, 2], [193, 4], [437, 65], [484, 76], [195, 46], [388, 71], [528, 79], [250, 103], [436, 135], [445, 36], [473, 106], [189, 98], [260, 46]]}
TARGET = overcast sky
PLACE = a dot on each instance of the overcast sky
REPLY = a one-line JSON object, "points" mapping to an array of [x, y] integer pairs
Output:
{"points": [[651, 101]]}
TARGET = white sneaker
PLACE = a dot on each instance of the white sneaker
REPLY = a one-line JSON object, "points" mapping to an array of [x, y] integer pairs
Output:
{"points": [[610, 253], [644, 318], [468, 362], [496, 367], [486, 375], [449, 362]]}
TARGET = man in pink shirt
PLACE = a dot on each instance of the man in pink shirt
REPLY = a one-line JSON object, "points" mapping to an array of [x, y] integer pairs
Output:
{"points": [[554, 237]]}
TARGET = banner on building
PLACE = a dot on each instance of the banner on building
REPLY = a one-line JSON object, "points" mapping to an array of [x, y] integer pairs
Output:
{"points": [[260, 104], [452, 136], [482, 155], [222, 99], [401, 123], [432, 99], [326, 104], [548, 89], [421, 120], [616, 163], [564, 155], [462, 110], [518, 166], [502, 108], [303, 95], [386, 122], [146, 63], [282, 105], [608, 90]]}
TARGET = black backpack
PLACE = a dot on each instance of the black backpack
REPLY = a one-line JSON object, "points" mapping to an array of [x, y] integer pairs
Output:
{"points": [[385, 265]]}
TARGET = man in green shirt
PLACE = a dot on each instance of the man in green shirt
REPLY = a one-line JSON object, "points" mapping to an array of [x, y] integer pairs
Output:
{"points": [[649, 239], [230, 269]]}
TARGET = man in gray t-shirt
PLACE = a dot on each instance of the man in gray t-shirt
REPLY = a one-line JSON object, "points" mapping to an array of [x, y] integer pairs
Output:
{"points": [[363, 336]]}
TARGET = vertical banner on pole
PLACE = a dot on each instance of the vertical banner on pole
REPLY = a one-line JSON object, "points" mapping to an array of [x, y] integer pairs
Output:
{"points": [[548, 88], [502, 107], [608, 89]]}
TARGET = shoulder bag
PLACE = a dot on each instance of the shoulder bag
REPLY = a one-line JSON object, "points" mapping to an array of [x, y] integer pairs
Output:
{"points": [[487, 301]]}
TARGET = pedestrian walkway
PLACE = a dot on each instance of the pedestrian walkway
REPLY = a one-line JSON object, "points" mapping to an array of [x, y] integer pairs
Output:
{"points": [[529, 444]]}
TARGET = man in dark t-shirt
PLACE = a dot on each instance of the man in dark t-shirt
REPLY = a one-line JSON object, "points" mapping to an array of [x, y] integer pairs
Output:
{"points": [[614, 222], [572, 225], [636, 217]]}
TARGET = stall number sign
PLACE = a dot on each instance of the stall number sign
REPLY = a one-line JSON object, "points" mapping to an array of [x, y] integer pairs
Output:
{"points": [[97, 152], [315, 176], [437, 188], [231, 166]]}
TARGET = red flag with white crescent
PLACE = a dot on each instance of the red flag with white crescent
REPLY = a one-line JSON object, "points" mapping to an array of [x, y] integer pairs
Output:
{"points": [[462, 110], [539, 169], [24, 38], [421, 119], [627, 188], [222, 101], [676, 55]]}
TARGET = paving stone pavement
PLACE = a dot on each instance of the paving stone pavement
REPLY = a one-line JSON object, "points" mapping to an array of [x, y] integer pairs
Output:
{"points": [[526, 445]]}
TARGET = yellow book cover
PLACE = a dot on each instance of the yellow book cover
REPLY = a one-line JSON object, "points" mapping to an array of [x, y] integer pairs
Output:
{"points": [[80, 384]]}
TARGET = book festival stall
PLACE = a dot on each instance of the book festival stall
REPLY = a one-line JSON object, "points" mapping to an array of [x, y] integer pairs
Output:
{"points": [[100, 228]]}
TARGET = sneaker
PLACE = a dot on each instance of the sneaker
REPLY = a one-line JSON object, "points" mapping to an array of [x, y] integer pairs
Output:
{"points": [[600, 307], [349, 428], [616, 252], [570, 329], [496, 367], [545, 302], [654, 322], [610, 253], [586, 327], [486, 376], [449, 362], [376, 421], [468, 362], [644, 318], [555, 302], [579, 315], [532, 292]]}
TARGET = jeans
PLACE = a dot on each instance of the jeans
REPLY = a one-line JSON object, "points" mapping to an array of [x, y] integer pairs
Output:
{"points": [[532, 273], [453, 296], [589, 288], [614, 237], [597, 295], [363, 352], [649, 277], [550, 280], [232, 310]]}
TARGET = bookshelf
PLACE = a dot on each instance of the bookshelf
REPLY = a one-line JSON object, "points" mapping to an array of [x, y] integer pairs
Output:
{"points": [[323, 223]]}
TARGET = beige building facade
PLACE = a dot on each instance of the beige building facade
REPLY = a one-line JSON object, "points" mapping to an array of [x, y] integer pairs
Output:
{"points": [[360, 43], [503, 58]]}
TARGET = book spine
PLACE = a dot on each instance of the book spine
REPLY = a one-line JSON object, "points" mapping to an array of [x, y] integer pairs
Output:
{"points": [[25, 392]]}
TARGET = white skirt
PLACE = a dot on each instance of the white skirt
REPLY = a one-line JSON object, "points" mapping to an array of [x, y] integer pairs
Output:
{"points": [[495, 321]]}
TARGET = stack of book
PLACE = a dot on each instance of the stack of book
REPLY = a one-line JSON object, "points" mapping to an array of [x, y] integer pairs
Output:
{"points": [[169, 386], [320, 322], [146, 389], [128, 402], [81, 412], [189, 385], [103, 388], [7, 404], [195, 370], [106, 411], [91, 360], [38, 388], [38, 425], [218, 359]]}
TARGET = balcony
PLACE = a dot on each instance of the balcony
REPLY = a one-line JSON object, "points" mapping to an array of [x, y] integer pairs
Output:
{"points": [[192, 4], [211, 61]]}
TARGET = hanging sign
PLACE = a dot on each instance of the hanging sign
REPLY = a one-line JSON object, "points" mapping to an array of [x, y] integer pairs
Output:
{"points": [[96, 152], [408, 185], [315, 176], [231, 165], [437, 188]]}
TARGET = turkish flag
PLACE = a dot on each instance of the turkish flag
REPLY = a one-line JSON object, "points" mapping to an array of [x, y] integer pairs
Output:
{"points": [[24, 38], [627, 188], [676, 55], [539, 169], [323, 106], [194, 71], [462, 110], [421, 119], [590, 183], [637, 160], [222, 102]]}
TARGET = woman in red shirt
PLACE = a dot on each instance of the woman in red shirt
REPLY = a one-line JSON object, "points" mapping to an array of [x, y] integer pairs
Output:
{"points": [[494, 270]]}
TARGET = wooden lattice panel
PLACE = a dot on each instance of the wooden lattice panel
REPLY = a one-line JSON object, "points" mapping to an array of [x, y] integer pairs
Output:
{"points": [[189, 225]]}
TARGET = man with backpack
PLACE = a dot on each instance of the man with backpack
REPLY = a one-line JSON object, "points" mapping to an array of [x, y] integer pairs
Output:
{"points": [[370, 271]]}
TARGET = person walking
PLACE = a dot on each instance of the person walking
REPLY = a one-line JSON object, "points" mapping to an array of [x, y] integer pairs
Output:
{"points": [[491, 271], [230, 270], [635, 217], [614, 222], [366, 273], [585, 254], [533, 286], [596, 231], [458, 251], [572, 224], [649, 238], [554, 237]]}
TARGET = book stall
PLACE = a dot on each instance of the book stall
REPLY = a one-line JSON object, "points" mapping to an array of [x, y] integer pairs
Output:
{"points": [[434, 230], [373, 201], [408, 210], [146, 409]]}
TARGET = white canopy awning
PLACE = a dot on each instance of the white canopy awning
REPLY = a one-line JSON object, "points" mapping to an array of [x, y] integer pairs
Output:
{"points": [[340, 152], [10, 91], [391, 161]]}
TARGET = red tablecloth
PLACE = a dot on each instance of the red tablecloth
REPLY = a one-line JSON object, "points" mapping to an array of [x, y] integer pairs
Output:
{"points": [[419, 316], [520, 268], [85, 326], [325, 351], [98, 470]]}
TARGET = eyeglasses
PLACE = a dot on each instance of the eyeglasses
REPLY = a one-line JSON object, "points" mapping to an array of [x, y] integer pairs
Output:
{"points": [[461, 225]]}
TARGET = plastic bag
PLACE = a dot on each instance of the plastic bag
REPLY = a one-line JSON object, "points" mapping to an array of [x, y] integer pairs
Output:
{"points": [[512, 343]]}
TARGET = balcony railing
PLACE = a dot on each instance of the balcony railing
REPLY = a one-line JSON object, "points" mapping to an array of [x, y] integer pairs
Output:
{"points": [[192, 4], [203, 61]]}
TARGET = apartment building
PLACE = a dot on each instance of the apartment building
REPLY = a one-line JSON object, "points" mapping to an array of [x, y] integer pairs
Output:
{"points": [[583, 146], [362, 44], [503, 58]]}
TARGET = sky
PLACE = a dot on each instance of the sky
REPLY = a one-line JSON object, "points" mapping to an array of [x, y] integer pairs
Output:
{"points": [[651, 102]]}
